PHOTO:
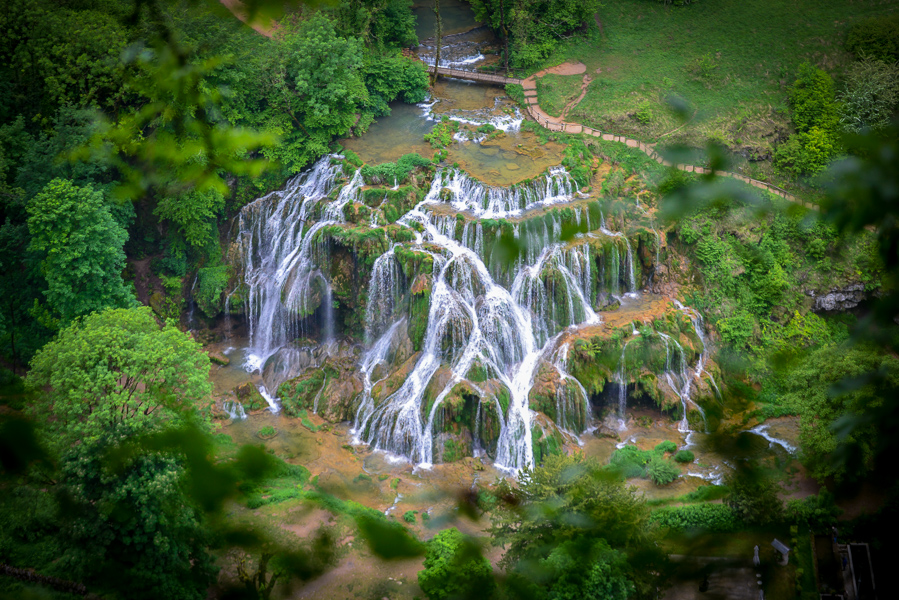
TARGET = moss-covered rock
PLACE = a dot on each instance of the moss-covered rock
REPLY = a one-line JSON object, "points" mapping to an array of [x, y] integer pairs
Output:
{"points": [[546, 439], [249, 397]]}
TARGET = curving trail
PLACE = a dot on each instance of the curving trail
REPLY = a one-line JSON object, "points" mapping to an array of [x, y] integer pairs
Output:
{"points": [[560, 124]]}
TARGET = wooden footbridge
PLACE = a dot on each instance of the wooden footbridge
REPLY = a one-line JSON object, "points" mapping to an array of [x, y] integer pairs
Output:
{"points": [[475, 76]]}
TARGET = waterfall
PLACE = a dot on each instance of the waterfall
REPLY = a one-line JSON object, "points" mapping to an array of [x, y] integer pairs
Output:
{"points": [[496, 312], [471, 318], [466, 194], [572, 404], [384, 294], [281, 257]]}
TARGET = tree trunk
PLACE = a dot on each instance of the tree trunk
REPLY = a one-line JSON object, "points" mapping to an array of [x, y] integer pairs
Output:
{"points": [[439, 33], [502, 17]]}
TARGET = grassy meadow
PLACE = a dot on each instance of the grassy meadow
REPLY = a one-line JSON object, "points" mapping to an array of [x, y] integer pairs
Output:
{"points": [[732, 61]]}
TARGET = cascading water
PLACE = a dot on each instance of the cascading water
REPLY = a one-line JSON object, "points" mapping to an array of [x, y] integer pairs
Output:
{"points": [[281, 258], [502, 315], [486, 202]]}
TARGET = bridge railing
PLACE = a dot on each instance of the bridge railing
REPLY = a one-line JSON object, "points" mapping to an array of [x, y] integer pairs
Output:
{"points": [[472, 74]]}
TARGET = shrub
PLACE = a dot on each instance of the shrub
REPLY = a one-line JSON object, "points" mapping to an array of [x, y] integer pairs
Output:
{"points": [[812, 99], [629, 461], [644, 114], [684, 456], [754, 499], [454, 568], [393, 173], [666, 446], [710, 517], [818, 511], [877, 38], [267, 431], [661, 471], [409, 516], [442, 134], [869, 94], [516, 93]]}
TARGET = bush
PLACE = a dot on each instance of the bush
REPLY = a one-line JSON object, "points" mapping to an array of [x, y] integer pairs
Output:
{"points": [[629, 461], [710, 517], [455, 568], [869, 94], [754, 499], [666, 446], [661, 471], [684, 456], [442, 134], [409, 516], [818, 512], [877, 38], [815, 115], [394, 173]]}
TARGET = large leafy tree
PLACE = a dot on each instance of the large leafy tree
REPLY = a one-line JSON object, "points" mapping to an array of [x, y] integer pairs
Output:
{"points": [[134, 531], [531, 29], [573, 530], [80, 248], [314, 89], [118, 369]]}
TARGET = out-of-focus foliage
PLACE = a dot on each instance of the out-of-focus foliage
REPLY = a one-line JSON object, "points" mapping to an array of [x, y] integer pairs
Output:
{"points": [[132, 529], [79, 245], [117, 368], [754, 497], [566, 512], [809, 392]]}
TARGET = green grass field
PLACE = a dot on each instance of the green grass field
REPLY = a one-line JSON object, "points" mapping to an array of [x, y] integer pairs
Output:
{"points": [[732, 60], [555, 91]]}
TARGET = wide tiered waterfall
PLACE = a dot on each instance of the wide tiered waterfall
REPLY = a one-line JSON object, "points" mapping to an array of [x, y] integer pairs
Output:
{"points": [[483, 282]]}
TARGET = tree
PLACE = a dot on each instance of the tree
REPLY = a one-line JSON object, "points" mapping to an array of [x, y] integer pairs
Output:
{"points": [[438, 35], [815, 114], [313, 89], [454, 568], [531, 29], [80, 245], [753, 498], [117, 368], [875, 37], [134, 531], [383, 24], [568, 506]]}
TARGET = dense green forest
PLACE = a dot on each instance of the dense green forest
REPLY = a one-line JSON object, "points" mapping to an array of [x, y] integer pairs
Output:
{"points": [[147, 148]]}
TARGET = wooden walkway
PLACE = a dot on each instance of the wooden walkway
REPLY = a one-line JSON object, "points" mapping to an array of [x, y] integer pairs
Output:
{"points": [[475, 76]]}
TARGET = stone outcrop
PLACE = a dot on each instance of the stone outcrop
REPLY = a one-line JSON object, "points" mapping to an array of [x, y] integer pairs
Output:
{"points": [[839, 299]]}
